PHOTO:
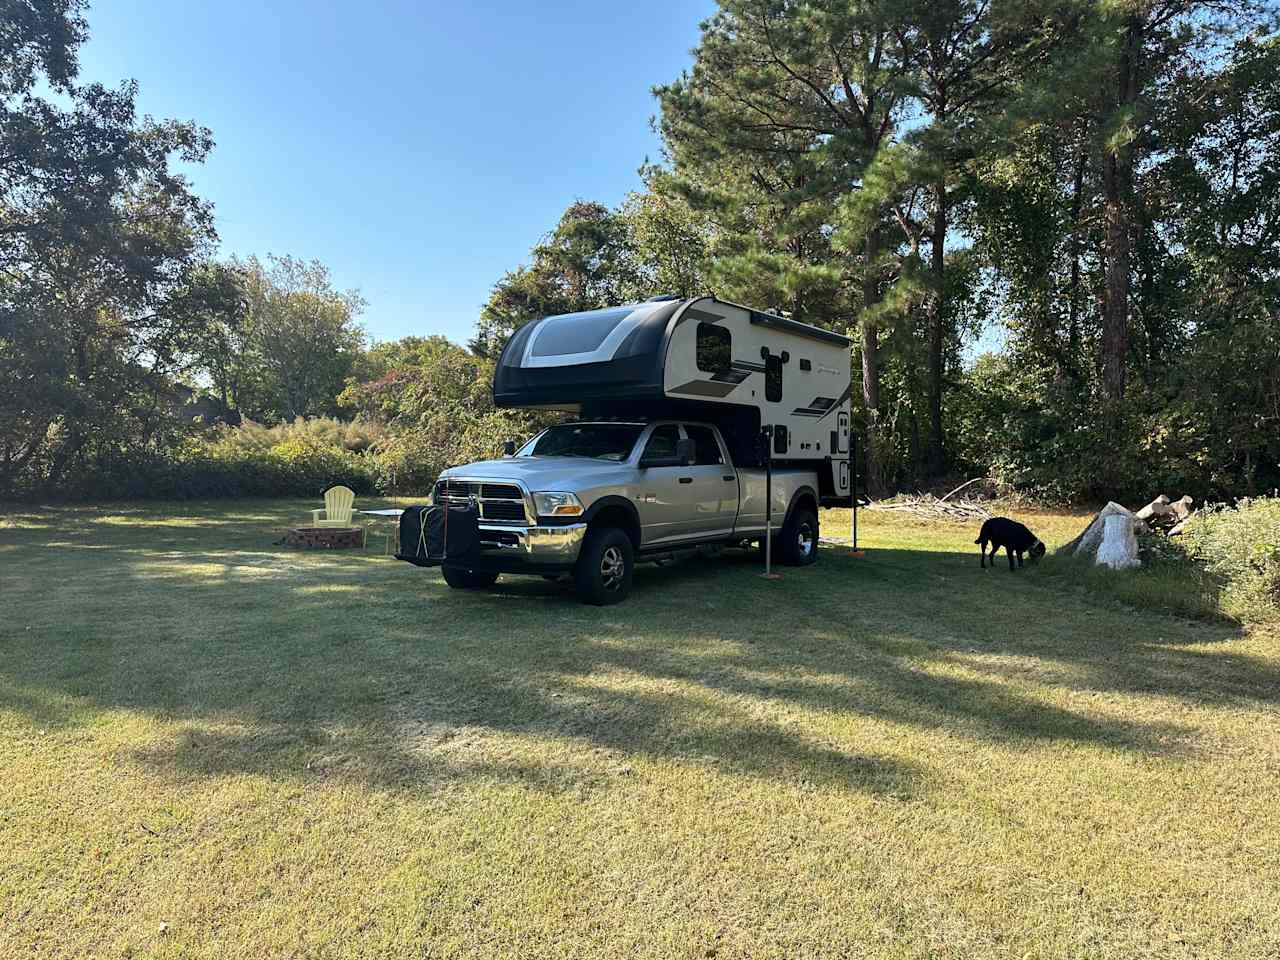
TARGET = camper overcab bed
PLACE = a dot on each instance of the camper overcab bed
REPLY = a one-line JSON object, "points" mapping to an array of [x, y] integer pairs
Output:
{"points": [[697, 424]]}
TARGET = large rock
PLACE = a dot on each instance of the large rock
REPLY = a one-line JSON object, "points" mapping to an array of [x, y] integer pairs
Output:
{"points": [[1110, 539]]}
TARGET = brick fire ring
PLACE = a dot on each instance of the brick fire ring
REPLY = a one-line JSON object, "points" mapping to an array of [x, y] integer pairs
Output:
{"points": [[325, 538]]}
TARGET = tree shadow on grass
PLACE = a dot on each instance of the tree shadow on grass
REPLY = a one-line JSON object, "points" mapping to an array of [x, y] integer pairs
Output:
{"points": [[279, 662], [555, 746], [337, 669], [959, 645]]}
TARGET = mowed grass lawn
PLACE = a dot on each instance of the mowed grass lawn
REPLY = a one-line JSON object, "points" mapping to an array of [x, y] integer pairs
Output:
{"points": [[213, 746]]}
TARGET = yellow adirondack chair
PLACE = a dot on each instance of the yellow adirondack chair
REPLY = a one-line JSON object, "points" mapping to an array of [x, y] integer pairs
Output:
{"points": [[338, 503]]}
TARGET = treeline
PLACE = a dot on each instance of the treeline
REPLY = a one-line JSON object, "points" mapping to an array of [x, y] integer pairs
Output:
{"points": [[1098, 182], [110, 296], [122, 336], [135, 362], [1052, 230]]}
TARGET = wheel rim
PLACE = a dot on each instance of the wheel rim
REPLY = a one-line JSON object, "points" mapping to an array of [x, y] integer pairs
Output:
{"points": [[612, 567], [805, 540]]}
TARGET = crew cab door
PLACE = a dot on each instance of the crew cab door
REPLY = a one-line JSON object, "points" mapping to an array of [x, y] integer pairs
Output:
{"points": [[714, 488], [664, 492]]}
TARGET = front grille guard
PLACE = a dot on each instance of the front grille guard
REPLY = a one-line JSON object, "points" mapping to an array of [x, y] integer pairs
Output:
{"points": [[459, 491]]}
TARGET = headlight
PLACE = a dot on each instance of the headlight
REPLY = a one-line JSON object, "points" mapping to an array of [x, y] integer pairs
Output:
{"points": [[557, 504]]}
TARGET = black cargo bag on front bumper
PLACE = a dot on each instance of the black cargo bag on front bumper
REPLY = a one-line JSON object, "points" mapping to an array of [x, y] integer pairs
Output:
{"points": [[431, 535]]}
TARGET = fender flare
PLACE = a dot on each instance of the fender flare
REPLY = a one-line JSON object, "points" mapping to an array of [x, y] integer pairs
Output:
{"points": [[610, 501], [795, 498]]}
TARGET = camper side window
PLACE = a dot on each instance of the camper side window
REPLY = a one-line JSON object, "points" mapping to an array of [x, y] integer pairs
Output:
{"points": [[715, 348], [773, 378]]}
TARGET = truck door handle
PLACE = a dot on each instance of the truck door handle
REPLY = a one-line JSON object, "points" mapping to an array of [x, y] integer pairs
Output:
{"points": [[729, 478], [686, 479]]}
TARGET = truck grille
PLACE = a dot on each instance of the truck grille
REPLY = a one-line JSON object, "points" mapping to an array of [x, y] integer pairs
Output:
{"points": [[502, 510], [502, 502], [457, 489]]}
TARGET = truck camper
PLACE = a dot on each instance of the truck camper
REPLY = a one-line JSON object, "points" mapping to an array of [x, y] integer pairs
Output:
{"points": [[698, 424]]}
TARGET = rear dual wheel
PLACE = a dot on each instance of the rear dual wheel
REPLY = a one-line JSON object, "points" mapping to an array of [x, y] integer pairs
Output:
{"points": [[796, 544], [800, 538]]}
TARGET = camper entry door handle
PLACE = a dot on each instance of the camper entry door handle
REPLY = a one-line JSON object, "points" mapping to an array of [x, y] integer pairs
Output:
{"points": [[686, 479], [728, 478]]}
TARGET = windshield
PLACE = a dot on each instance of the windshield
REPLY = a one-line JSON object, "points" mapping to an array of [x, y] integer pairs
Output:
{"points": [[600, 441]]}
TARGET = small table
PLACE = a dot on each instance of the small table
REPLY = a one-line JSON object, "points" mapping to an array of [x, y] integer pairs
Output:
{"points": [[392, 513]]}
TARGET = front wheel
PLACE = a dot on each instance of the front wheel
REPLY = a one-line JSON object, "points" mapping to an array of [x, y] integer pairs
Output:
{"points": [[460, 578], [605, 566], [799, 539]]}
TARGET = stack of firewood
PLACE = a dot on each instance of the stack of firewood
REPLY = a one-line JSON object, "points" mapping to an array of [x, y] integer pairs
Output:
{"points": [[1167, 516], [930, 507]]}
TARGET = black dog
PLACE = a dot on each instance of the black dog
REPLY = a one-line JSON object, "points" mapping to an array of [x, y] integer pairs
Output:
{"points": [[1013, 536]]}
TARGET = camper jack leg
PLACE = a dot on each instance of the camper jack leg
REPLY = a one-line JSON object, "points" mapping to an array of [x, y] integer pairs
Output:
{"points": [[853, 493], [766, 434]]}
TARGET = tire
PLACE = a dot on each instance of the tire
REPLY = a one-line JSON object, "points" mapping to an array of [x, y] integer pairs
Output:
{"points": [[797, 543], [605, 567], [460, 578]]}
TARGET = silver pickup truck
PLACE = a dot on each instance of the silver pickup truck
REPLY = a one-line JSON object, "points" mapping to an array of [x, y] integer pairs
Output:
{"points": [[592, 499]]}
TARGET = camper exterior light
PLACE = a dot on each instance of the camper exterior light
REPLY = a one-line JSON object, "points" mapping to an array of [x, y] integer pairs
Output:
{"points": [[557, 505]]}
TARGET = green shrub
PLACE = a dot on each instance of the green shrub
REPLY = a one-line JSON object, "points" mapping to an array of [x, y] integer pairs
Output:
{"points": [[409, 461], [1226, 564], [254, 438], [1169, 581], [1055, 438], [1240, 546], [299, 459]]}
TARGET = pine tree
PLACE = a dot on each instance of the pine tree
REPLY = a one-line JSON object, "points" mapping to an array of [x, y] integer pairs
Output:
{"points": [[785, 109]]}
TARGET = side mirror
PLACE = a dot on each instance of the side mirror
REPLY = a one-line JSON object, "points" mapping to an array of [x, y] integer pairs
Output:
{"points": [[508, 448], [685, 453]]}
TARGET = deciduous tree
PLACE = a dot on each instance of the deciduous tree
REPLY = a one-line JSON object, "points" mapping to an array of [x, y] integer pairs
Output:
{"points": [[101, 245], [585, 263]]}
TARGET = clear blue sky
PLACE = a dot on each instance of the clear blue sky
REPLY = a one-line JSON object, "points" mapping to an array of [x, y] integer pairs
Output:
{"points": [[417, 149]]}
